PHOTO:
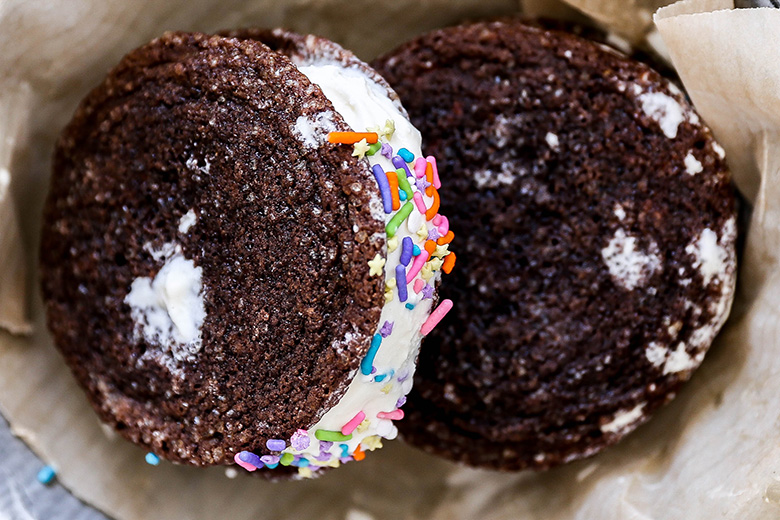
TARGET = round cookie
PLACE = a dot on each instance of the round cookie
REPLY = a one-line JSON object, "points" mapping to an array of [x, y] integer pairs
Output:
{"points": [[212, 265], [599, 227]]}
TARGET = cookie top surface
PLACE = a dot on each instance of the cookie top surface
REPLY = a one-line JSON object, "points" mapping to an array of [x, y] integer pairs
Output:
{"points": [[205, 271], [597, 261]]}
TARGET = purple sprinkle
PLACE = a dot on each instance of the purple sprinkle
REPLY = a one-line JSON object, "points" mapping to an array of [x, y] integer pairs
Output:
{"points": [[384, 188], [344, 460], [403, 377], [270, 459], [434, 234], [275, 444], [400, 281], [386, 329], [407, 247], [427, 292], [250, 458], [401, 401], [325, 445], [300, 440], [387, 151], [323, 456], [421, 183], [373, 370], [398, 162]]}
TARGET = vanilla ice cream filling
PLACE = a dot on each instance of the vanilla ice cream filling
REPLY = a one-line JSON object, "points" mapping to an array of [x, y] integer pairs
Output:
{"points": [[365, 104]]}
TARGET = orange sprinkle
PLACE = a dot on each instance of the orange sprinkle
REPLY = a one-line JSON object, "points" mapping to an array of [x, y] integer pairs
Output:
{"points": [[446, 239], [431, 212], [358, 454], [429, 177], [352, 137], [449, 263], [392, 179], [430, 246]]}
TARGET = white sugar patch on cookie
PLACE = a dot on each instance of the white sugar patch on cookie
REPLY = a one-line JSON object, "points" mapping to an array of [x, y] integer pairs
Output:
{"points": [[680, 360], [711, 254], [624, 420], [656, 353], [187, 221], [663, 109], [627, 264], [313, 129], [619, 212], [552, 141], [168, 309], [692, 165], [487, 178]]}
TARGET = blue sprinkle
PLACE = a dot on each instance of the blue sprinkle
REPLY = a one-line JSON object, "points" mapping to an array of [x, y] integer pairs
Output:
{"points": [[407, 246], [275, 444], [152, 459], [46, 475], [344, 450], [406, 155], [398, 162], [400, 282], [416, 250], [380, 378], [271, 466], [251, 458], [368, 361], [302, 463], [410, 306], [384, 188], [402, 194]]}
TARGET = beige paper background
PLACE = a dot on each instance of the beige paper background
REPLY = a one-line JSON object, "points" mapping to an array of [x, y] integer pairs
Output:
{"points": [[713, 453]]}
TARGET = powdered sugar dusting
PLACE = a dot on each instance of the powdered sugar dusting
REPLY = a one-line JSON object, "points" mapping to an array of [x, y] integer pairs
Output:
{"points": [[313, 130], [629, 266], [663, 109], [187, 221], [692, 165], [624, 419], [711, 254], [656, 353]]}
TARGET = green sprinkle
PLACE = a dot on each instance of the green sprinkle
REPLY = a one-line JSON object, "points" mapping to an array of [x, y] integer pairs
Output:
{"points": [[398, 218], [287, 459], [331, 435], [403, 183], [374, 148]]}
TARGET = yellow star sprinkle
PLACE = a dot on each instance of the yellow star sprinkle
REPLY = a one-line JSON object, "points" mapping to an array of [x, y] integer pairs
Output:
{"points": [[361, 148], [388, 296], [305, 472], [371, 443], [436, 263], [386, 389], [376, 265], [390, 284], [363, 426], [392, 244], [441, 251], [426, 272], [422, 233], [388, 130]]}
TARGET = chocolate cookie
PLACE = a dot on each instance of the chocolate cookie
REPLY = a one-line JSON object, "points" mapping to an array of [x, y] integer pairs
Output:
{"points": [[599, 227], [215, 263]]}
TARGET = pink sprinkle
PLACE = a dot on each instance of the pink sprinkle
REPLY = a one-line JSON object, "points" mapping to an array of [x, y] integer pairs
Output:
{"points": [[443, 226], [418, 285], [247, 466], [418, 200], [418, 263], [436, 220], [436, 182], [435, 317], [419, 167], [353, 423], [395, 415]]}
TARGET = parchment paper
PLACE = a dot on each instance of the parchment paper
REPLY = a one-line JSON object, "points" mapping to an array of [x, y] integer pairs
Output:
{"points": [[713, 453]]}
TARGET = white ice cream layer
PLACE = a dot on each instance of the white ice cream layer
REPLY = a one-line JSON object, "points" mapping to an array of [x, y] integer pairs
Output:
{"points": [[364, 104]]}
